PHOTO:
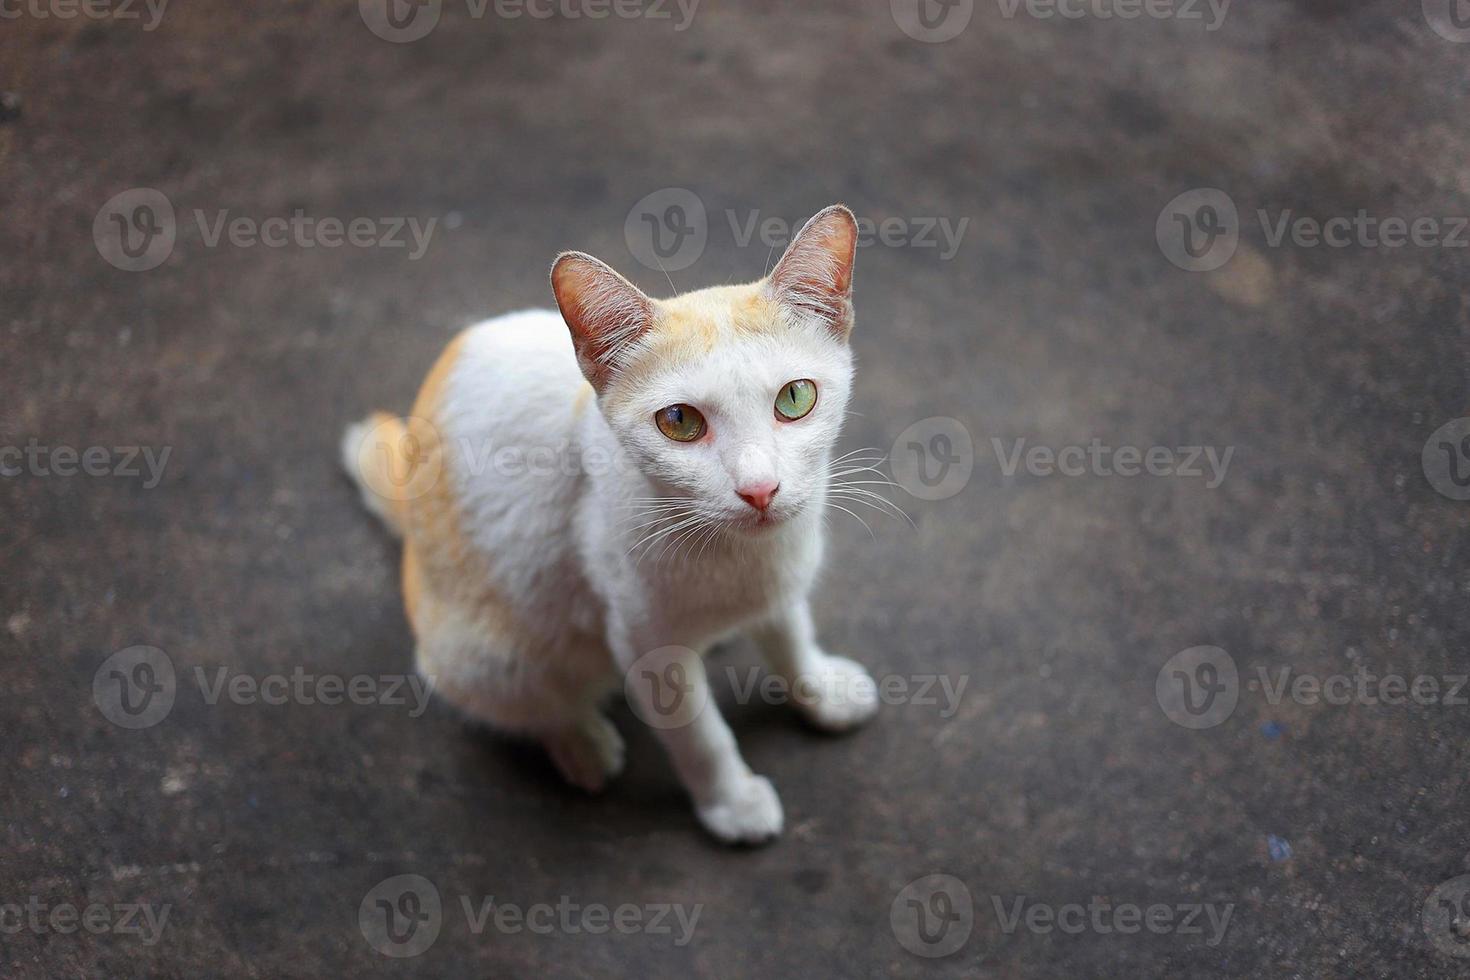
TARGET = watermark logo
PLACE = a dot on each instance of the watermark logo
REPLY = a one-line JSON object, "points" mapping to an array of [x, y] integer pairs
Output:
{"points": [[1199, 230], [399, 459], [303, 688], [1450, 19], [1184, 10], [1104, 918], [1447, 917], [932, 916], [135, 230], [667, 687], [1446, 459], [403, 21], [401, 916], [1199, 687], [135, 687], [1363, 687], [941, 233], [932, 21], [40, 460], [841, 689], [667, 229], [569, 917], [109, 10], [1099, 459], [133, 919], [400, 21], [933, 458]]}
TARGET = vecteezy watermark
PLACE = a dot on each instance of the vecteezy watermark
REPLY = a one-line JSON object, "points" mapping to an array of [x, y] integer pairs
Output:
{"points": [[403, 459], [1200, 230], [932, 916], [138, 920], [668, 230], [933, 458], [1212, 12], [1450, 19], [137, 230], [1446, 459], [137, 688], [1446, 916], [669, 688], [1102, 917], [36, 459], [921, 690], [303, 688], [1200, 687], [403, 21], [1098, 459], [124, 10], [932, 21], [402, 917]]}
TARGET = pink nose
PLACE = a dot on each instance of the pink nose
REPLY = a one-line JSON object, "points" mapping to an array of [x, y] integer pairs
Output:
{"points": [[758, 495]]}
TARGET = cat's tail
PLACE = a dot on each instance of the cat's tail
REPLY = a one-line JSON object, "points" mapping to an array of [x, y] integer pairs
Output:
{"points": [[368, 448]]}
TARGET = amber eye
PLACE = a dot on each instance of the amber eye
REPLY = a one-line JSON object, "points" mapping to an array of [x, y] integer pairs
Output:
{"points": [[796, 399], [681, 423]]}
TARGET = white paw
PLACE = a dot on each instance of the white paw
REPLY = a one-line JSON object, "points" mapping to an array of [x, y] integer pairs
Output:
{"points": [[838, 696], [589, 756], [747, 813]]}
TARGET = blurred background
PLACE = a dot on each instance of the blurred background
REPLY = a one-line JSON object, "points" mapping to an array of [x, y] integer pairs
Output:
{"points": [[1161, 318]]}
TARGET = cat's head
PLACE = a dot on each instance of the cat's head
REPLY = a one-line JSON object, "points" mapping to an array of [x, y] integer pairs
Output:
{"points": [[728, 398]]}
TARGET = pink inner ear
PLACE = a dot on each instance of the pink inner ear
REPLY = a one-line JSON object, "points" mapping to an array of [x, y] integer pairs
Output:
{"points": [[815, 274], [604, 311]]}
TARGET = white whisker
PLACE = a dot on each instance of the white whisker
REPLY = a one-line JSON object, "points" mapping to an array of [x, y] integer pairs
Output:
{"points": [[653, 537], [855, 517], [876, 501]]}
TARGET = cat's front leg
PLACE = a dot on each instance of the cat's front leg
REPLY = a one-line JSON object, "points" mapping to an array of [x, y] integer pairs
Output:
{"points": [[834, 693], [672, 694]]}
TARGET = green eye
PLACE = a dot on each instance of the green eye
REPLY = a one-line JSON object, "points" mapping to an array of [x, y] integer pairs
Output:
{"points": [[796, 399], [681, 423]]}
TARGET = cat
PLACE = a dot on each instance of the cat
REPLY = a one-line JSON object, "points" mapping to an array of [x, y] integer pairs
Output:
{"points": [[590, 498]]}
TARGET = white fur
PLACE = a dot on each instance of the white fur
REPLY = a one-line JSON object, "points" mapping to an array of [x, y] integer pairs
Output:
{"points": [[588, 594]]}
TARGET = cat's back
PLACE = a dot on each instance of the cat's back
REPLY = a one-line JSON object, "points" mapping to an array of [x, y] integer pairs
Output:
{"points": [[512, 380], [506, 400], [525, 350]]}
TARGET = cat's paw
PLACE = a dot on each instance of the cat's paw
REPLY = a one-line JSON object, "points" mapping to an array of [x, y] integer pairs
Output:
{"points": [[749, 812], [838, 696], [589, 755]]}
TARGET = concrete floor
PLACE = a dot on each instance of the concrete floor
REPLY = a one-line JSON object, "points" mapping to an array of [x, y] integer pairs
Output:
{"points": [[1059, 319]]}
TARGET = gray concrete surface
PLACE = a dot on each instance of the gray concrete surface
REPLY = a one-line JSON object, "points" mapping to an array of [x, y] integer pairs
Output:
{"points": [[1060, 319]]}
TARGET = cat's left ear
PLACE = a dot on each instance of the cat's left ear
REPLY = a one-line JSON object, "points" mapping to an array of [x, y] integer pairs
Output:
{"points": [[606, 313], [814, 275]]}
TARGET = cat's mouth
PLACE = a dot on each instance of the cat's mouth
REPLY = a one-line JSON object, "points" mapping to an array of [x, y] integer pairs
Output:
{"points": [[761, 522]]}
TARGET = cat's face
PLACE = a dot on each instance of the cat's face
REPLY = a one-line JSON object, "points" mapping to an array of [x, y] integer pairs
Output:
{"points": [[741, 423], [729, 399]]}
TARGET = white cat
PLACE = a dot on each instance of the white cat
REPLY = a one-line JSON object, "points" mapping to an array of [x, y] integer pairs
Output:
{"points": [[582, 507]]}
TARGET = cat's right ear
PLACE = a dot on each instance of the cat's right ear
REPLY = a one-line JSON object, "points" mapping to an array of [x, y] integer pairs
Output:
{"points": [[605, 313]]}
